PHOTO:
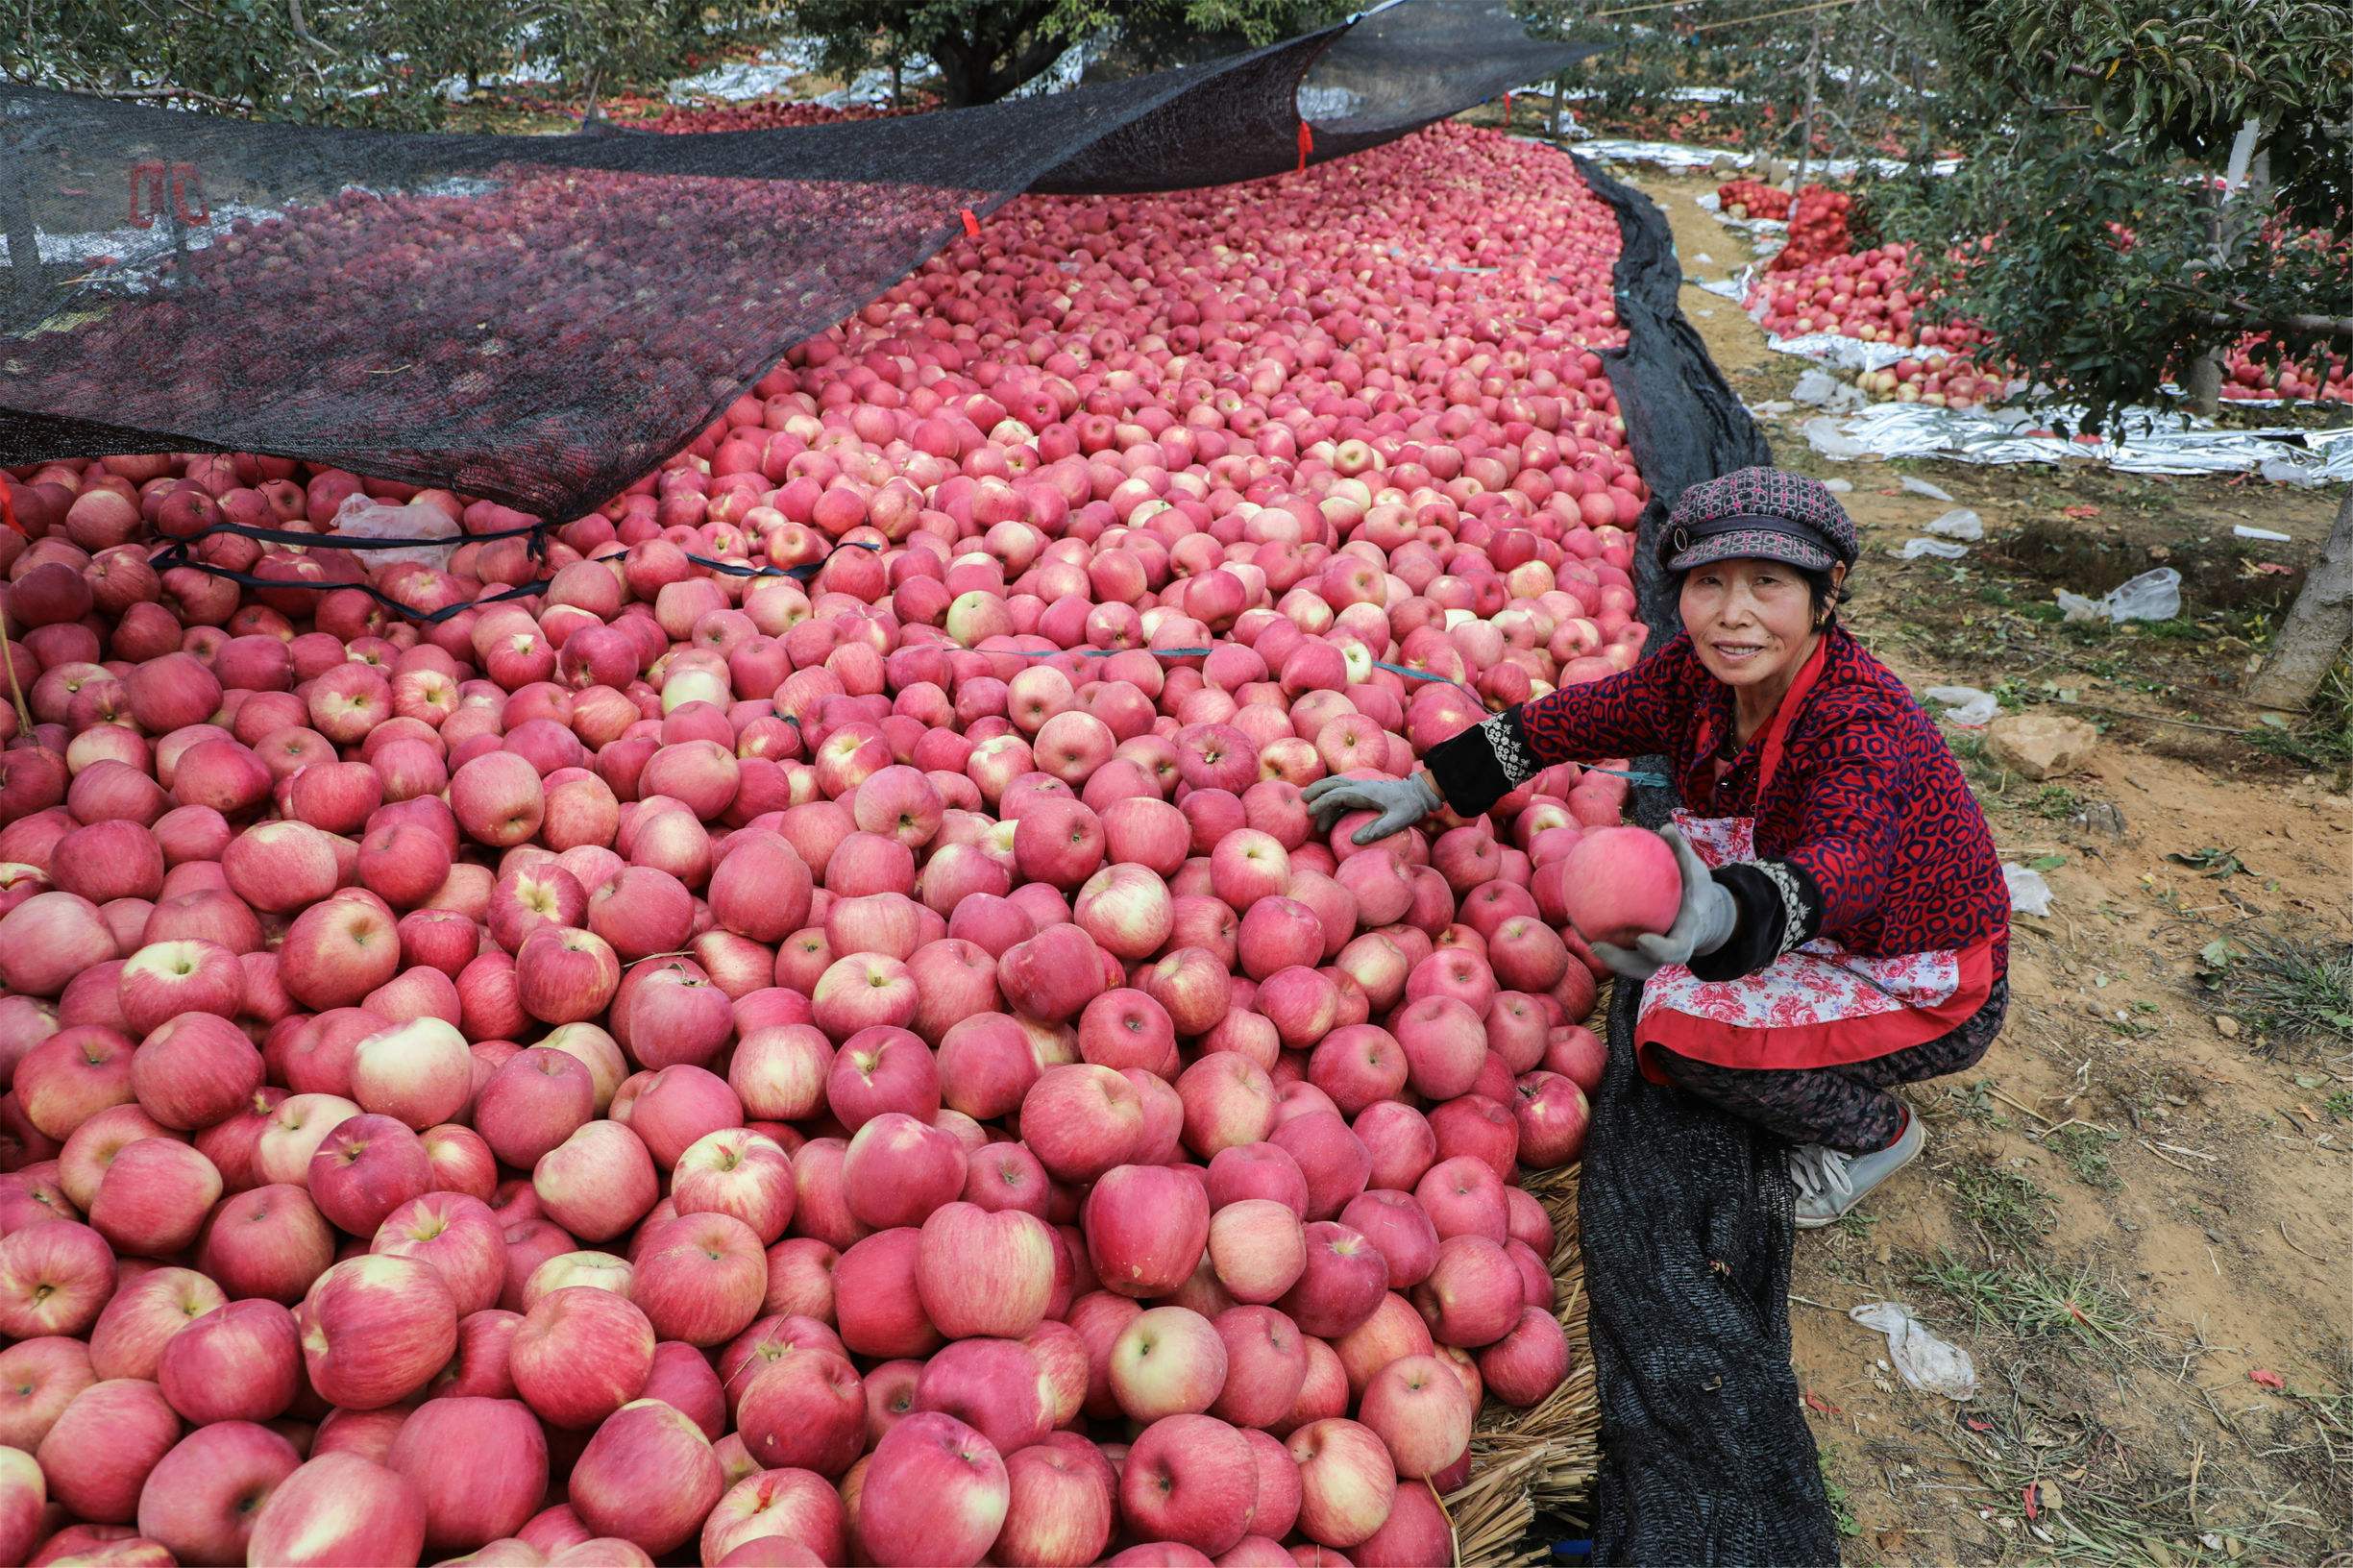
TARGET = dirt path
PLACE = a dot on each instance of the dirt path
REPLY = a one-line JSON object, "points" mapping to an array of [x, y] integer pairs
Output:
{"points": [[2137, 1213]]}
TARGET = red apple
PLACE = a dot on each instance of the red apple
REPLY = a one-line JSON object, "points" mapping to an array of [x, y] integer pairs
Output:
{"points": [[419, 1073], [579, 1354], [934, 1493], [1346, 1481], [340, 1509], [897, 1171], [1396, 1226], [1191, 1480], [1531, 1360], [1147, 1228], [648, 1477], [202, 1500], [1167, 1360], [982, 1273], [38, 1378], [740, 1173], [1081, 1120], [24, 1498], [792, 1507], [147, 1310], [479, 1464], [270, 1242], [102, 1448], [1473, 1295], [597, 1182], [531, 1103], [366, 1168], [154, 1198], [699, 1278], [458, 1235], [242, 1362], [1418, 1409], [1059, 1511], [805, 1410], [876, 1304], [1266, 1365], [374, 1330], [338, 950]]}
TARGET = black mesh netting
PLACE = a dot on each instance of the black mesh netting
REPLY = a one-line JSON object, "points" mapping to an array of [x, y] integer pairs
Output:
{"points": [[1684, 1213], [539, 320]]}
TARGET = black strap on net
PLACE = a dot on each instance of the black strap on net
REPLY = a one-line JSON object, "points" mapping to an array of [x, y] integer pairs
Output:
{"points": [[540, 320], [1685, 1213]]}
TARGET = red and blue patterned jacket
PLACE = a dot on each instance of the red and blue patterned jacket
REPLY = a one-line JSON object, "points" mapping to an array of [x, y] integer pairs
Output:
{"points": [[1867, 832]]}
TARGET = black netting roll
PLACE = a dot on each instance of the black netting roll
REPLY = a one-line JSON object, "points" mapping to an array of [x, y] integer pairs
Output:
{"points": [[1685, 1213], [539, 320]]}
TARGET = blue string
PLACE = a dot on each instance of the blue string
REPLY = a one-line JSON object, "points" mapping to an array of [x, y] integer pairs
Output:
{"points": [[1632, 776], [799, 574], [176, 554]]}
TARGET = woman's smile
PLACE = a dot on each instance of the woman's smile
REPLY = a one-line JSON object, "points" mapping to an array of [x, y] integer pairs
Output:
{"points": [[1735, 653]]}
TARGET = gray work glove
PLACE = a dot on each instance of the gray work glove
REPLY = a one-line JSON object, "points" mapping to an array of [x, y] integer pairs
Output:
{"points": [[1703, 925], [1400, 803]]}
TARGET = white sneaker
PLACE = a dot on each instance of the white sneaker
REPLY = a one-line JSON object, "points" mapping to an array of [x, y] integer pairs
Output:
{"points": [[1830, 1183]]}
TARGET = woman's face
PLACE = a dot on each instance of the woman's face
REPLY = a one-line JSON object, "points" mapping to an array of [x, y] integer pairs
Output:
{"points": [[1748, 620]]}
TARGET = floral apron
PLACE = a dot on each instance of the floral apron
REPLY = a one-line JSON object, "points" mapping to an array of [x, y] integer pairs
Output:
{"points": [[1817, 1005]]}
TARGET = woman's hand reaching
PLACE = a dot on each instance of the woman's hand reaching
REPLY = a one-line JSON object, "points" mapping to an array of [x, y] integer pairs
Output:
{"points": [[1397, 802]]}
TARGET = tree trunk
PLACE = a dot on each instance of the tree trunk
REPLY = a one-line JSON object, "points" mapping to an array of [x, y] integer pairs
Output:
{"points": [[2206, 371], [1805, 127], [2317, 627], [960, 75], [968, 66], [2206, 385]]}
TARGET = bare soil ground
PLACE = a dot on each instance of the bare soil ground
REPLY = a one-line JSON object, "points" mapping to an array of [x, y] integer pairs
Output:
{"points": [[2137, 1213]]}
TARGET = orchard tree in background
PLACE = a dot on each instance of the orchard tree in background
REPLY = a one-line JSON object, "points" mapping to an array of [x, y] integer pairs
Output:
{"points": [[314, 63], [984, 49], [2084, 229], [2111, 104], [351, 62]]}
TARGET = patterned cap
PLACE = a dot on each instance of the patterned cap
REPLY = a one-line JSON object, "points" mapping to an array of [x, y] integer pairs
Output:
{"points": [[1758, 513]]}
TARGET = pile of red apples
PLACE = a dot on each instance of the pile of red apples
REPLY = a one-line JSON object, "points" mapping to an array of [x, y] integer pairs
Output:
{"points": [[879, 1069], [1870, 296]]}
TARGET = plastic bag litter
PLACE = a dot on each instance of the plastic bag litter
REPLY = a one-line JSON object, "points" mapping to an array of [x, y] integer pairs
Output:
{"points": [[361, 515], [1944, 549], [2241, 530], [1965, 705], [1816, 388], [1958, 524], [1821, 434], [2030, 894], [1925, 1361], [2283, 471], [2152, 596], [1839, 487], [1921, 487]]}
